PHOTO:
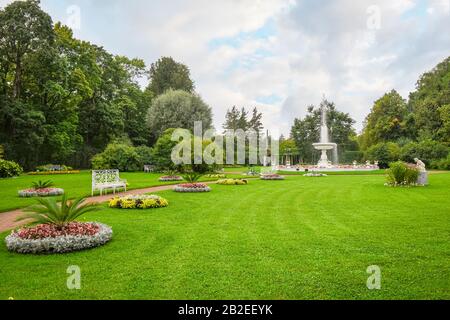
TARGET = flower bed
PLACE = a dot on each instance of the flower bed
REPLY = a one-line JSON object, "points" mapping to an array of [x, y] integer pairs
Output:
{"points": [[47, 192], [313, 174], [192, 187], [48, 239], [271, 177], [138, 202], [52, 173], [233, 182], [170, 178]]}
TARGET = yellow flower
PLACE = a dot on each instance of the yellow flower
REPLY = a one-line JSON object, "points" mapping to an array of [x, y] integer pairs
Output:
{"points": [[113, 203], [128, 204]]}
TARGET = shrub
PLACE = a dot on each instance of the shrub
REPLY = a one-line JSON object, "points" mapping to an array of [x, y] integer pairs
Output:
{"points": [[400, 174], [427, 151], [384, 153], [9, 169], [138, 202], [119, 156], [442, 164]]}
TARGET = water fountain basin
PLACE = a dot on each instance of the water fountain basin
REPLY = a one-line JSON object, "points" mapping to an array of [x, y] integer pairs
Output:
{"points": [[324, 146]]}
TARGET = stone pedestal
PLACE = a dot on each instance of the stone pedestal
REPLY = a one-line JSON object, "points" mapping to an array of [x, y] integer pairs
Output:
{"points": [[423, 179]]}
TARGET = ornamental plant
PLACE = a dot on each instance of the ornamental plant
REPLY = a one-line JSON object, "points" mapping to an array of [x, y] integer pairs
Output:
{"points": [[192, 177], [42, 185], [401, 174], [48, 211], [138, 202], [233, 182], [9, 169]]}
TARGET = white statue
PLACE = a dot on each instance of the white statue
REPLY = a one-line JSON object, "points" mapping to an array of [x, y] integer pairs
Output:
{"points": [[420, 165]]}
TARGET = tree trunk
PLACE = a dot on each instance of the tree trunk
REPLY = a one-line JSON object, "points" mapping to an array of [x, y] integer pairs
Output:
{"points": [[17, 78]]}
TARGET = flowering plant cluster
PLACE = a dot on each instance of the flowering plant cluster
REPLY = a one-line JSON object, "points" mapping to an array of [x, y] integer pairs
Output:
{"points": [[53, 173], [315, 174], [46, 192], [233, 182], [271, 177], [216, 176], [46, 239], [170, 178], [192, 187], [43, 231], [138, 202]]}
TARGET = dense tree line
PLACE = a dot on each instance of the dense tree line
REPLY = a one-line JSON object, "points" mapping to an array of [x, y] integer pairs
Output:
{"points": [[63, 100]]}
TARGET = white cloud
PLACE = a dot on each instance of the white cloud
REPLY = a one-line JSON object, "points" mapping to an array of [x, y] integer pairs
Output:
{"points": [[242, 51]]}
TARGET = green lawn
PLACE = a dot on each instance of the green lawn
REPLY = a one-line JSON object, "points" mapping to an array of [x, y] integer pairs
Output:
{"points": [[303, 238], [75, 185]]}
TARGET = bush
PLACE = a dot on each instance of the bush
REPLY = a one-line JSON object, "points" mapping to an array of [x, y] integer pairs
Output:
{"points": [[9, 169], [443, 164], [52, 167], [427, 151], [145, 155], [138, 202], [400, 174], [233, 182], [119, 156], [384, 153]]}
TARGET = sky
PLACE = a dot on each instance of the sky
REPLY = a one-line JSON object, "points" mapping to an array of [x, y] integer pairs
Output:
{"points": [[278, 55]]}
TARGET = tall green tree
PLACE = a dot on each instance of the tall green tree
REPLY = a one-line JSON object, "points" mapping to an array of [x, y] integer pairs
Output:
{"points": [[388, 120], [167, 74], [177, 109], [430, 102]]}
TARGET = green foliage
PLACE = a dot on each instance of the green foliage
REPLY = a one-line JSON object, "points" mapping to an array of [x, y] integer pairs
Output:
{"points": [[387, 120], [162, 152], [306, 131], [52, 167], [192, 177], [400, 174], [42, 184], [442, 164], [427, 151], [384, 153], [119, 156], [177, 109], [145, 155], [49, 211], [239, 119], [349, 157], [167, 74], [430, 103], [9, 169]]}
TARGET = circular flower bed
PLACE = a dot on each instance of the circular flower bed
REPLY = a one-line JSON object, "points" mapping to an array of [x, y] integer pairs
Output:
{"points": [[48, 239], [170, 178], [47, 192], [272, 177], [138, 202], [313, 174], [192, 187], [233, 182]]}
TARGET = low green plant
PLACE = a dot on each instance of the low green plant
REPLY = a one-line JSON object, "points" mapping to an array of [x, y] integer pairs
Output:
{"points": [[9, 169], [400, 174], [49, 211], [42, 184], [192, 177]]}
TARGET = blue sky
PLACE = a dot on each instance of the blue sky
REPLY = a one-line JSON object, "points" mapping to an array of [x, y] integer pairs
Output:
{"points": [[278, 55]]}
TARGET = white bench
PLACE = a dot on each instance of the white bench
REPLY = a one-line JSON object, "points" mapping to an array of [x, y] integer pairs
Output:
{"points": [[103, 180]]}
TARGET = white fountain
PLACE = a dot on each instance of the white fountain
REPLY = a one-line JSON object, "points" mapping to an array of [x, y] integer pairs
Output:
{"points": [[324, 145]]}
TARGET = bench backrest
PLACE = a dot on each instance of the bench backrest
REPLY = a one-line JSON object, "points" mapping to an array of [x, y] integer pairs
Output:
{"points": [[104, 177]]}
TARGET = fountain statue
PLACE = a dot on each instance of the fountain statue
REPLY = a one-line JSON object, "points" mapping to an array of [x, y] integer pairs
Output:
{"points": [[324, 145]]}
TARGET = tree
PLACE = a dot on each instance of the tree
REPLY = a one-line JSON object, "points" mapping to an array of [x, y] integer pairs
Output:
{"points": [[384, 153], [235, 119], [387, 121], [306, 131], [177, 109], [167, 74], [430, 101], [24, 29]]}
